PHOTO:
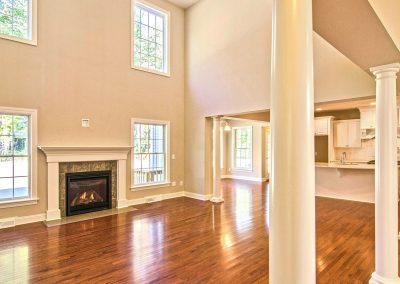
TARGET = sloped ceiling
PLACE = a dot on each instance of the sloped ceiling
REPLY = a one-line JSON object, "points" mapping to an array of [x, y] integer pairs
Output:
{"points": [[355, 30], [183, 3]]}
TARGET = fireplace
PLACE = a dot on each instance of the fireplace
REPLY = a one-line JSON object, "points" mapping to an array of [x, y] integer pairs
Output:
{"points": [[88, 192]]}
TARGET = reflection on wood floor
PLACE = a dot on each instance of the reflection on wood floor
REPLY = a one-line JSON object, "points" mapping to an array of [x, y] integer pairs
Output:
{"points": [[186, 241]]}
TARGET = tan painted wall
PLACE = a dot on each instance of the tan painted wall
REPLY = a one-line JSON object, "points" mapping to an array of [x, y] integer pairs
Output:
{"points": [[228, 47], [81, 68]]}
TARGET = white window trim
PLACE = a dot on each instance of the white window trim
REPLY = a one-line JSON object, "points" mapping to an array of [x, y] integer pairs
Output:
{"points": [[33, 198], [234, 149], [33, 31], [167, 182], [167, 40]]}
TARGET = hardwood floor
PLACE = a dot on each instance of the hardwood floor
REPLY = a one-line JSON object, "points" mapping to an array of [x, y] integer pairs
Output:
{"points": [[186, 241]]}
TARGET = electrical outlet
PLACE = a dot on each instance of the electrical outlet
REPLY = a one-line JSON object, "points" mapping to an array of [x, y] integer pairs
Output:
{"points": [[173, 183], [173, 157], [181, 183]]}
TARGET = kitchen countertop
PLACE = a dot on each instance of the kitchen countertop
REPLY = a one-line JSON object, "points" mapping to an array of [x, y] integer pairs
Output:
{"points": [[347, 165]]}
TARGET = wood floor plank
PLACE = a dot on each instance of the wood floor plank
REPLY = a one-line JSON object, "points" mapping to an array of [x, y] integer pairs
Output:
{"points": [[186, 241]]}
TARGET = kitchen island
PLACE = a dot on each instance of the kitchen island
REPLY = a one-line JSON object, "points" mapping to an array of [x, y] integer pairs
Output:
{"points": [[353, 180]]}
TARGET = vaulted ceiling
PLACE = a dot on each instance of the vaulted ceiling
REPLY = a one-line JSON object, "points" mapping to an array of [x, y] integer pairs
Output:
{"points": [[355, 30]]}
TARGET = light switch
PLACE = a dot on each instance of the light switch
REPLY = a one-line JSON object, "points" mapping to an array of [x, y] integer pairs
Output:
{"points": [[173, 156], [85, 122]]}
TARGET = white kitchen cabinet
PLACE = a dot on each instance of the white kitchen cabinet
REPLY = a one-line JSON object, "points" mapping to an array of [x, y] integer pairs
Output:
{"points": [[347, 133], [368, 117], [321, 126]]}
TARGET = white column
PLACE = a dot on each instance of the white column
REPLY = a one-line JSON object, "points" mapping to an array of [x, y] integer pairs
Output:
{"points": [[122, 202], [53, 188], [386, 180], [292, 195], [217, 192]]}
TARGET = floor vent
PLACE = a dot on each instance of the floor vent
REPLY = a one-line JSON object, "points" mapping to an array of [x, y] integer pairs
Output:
{"points": [[7, 223]]}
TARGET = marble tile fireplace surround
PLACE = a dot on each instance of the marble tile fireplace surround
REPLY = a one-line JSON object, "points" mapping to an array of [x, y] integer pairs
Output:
{"points": [[62, 160]]}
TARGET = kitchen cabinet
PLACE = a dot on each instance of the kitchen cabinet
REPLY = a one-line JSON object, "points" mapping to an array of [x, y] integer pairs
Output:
{"points": [[347, 133], [321, 126], [368, 117]]}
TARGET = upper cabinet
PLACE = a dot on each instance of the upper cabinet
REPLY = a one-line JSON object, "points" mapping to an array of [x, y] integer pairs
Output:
{"points": [[321, 125], [367, 117], [347, 133]]}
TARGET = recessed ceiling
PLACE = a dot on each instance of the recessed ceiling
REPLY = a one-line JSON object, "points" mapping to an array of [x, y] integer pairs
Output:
{"points": [[183, 3]]}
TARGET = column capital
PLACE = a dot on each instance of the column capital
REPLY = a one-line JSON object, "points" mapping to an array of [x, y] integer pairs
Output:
{"points": [[217, 118], [385, 71]]}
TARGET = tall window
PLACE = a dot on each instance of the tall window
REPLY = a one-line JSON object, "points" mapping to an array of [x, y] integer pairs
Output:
{"points": [[16, 155], [150, 39], [18, 20], [150, 153], [243, 159]]}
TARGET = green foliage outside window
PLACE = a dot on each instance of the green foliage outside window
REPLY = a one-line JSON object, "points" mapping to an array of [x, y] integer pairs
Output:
{"points": [[14, 18]]}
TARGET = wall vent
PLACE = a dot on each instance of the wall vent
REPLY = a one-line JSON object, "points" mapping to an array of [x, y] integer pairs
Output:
{"points": [[7, 223]]}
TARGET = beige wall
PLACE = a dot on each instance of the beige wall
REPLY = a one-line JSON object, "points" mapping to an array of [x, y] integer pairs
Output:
{"points": [[81, 68], [228, 47]]}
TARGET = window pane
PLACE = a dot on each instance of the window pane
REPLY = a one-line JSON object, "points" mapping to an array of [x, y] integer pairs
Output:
{"points": [[5, 124], [6, 148], [6, 167], [21, 186], [21, 126], [20, 146], [149, 38], [6, 188], [15, 18], [21, 166]]}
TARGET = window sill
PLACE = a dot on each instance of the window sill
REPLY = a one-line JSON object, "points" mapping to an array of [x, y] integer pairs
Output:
{"points": [[167, 74], [149, 186], [18, 202], [20, 40]]}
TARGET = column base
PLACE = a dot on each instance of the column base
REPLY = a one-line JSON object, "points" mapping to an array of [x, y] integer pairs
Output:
{"points": [[217, 199], [376, 279], [52, 215]]}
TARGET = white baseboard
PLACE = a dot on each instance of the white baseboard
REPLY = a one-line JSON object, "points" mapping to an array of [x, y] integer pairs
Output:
{"points": [[343, 198], [21, 220], [256, 179], [154, 198], [197, 196]]}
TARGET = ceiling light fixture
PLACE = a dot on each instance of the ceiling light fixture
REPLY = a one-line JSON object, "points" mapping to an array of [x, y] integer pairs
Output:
{"points": [[318, 109]]}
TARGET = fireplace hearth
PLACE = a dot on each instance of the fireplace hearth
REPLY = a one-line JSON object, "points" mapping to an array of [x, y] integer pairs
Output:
{"points": [[88, 192]]}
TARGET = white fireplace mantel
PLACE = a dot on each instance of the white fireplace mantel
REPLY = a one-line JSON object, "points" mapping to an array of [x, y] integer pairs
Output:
{"points": [[61, 154]]}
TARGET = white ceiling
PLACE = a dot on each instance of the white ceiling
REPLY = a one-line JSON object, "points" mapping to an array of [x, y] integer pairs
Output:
{"points": [[183, 3]]}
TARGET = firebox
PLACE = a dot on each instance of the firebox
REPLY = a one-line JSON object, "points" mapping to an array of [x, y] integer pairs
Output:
{"points": [[88, 192]]}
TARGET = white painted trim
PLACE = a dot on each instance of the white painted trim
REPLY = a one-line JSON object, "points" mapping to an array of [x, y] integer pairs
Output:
{"points": [[150, 185], [33, 31], [167, 38], [342, 198], [30, 219], [256, 179], [22, 220], [18, 202], [197, 196], [33, 138], [60, 154], [54, 214], [167, 125], [155, 198]]}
